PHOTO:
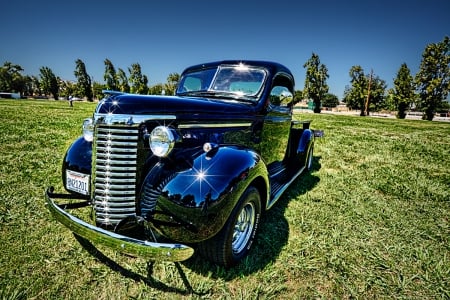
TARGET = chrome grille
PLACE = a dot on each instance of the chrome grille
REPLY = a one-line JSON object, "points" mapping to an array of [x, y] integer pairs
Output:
{"points": [[115, 155]]}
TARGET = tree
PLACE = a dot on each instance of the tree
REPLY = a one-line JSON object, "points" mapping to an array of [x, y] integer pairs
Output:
{"points": [[98, 89], [433, 79], [157, 89], [28, 86], [366, 92], [389, 102], [355, 95], [122, 81], [84, 81], [110, 76], [11, 78], [137, 81], [330, 100], [49, 83], [67, 89], [376, 95], [172, 83], [35, 86], [403, 92], [315, 81], [298, 96]]}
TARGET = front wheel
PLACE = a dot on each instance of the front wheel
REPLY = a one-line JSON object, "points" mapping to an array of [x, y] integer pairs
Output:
{"points": [[235, 239]]}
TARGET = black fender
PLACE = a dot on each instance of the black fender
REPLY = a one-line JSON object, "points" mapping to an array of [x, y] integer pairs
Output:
{"points": [[194, 203], [305, 147], [305, 141], [78, 158]]}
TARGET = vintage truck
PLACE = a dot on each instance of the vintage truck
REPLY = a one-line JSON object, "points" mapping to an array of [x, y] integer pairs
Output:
{"points": [[167, 175]]}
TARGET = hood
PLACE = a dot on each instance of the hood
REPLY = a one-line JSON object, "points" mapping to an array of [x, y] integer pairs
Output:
{"points": [[132, 104]]}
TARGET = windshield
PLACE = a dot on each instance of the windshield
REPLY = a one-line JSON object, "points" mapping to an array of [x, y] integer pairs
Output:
{"points": [[237, 81]]}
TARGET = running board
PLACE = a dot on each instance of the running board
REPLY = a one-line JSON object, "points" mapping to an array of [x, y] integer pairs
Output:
{"points": [[277, 188]]}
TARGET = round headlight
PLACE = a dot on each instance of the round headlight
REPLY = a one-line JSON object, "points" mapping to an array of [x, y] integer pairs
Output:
{"points": [[88, 129], [162, 140]]}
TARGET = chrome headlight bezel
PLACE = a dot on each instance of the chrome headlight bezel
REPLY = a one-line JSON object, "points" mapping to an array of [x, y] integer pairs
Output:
{"points": [[88, 129], [162, 140]]}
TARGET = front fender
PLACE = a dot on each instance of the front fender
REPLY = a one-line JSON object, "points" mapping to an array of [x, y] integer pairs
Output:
{"points": [[194, 203], [78, 158]]}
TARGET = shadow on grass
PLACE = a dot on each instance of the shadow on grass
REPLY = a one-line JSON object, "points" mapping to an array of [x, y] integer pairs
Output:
{"points": [[272, 237], [148, 280]]}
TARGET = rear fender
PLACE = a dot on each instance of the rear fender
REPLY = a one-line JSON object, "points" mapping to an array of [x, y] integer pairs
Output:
{"points": [[305, 141]]}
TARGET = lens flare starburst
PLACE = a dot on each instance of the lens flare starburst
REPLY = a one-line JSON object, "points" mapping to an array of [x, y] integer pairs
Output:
{"points": [[203, 176]]}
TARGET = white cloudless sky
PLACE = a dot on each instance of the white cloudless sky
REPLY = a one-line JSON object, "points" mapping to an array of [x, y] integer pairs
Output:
{"points": [[166, 36]]}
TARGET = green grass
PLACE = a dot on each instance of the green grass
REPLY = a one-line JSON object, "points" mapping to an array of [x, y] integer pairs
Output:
{"points": [[371, 221]]}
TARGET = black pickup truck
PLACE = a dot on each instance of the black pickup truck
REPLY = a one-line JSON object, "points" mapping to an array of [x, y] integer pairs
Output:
{"points": [[167, 175]]}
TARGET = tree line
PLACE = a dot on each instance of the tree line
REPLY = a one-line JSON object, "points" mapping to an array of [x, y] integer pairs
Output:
{"points": [[427, 91], [48, 84]]}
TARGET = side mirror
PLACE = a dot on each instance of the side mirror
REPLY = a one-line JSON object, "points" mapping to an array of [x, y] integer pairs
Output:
{"points": [[281, 96]]}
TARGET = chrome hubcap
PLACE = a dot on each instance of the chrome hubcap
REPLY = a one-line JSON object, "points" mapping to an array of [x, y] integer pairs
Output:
{"points": [[243, 228]]}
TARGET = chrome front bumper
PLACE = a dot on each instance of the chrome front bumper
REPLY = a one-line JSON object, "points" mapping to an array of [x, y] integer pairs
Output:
{"points": [[120, 243]]}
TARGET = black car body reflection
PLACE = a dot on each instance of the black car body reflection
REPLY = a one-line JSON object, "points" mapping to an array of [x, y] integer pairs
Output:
{"points": [[197, 168]]}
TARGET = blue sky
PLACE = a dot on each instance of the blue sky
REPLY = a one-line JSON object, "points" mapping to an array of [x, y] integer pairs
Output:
{"points": [[166, 36]]}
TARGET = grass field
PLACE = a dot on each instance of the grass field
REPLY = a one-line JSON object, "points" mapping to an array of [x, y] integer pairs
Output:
{"points": [[371, 221]]}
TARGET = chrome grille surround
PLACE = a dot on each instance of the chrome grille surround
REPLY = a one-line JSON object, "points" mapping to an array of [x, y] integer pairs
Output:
{"points": [[114, 165]]}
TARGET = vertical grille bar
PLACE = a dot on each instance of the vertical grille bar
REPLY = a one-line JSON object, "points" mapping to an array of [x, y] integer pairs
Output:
{"points": [[115, 154]]}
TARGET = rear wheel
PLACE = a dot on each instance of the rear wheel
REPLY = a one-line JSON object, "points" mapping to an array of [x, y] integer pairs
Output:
{"points": [[235, 239]]}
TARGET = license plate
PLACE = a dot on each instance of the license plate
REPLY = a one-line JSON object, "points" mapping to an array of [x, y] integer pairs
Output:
{"points": [[77, 182]]}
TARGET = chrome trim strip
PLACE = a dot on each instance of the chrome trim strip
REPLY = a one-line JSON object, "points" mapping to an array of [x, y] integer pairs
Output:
{"points": [[108, 178], [109, 149], [112, 177], [112, 198], [112, 130], [213, 125], [108, 168], [109, 155], [111, 186], [118, 152], [116, 162], [112, 193], [120, 212], [117, 242], [115, 143], [117, 119], [125, 138]]}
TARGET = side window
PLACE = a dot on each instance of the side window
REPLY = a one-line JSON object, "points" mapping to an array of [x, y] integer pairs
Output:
{"points": [[281, 96], [191, 84]]}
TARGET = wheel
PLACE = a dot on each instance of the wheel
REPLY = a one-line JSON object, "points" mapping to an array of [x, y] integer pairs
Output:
{"points": [[235, 239]]}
